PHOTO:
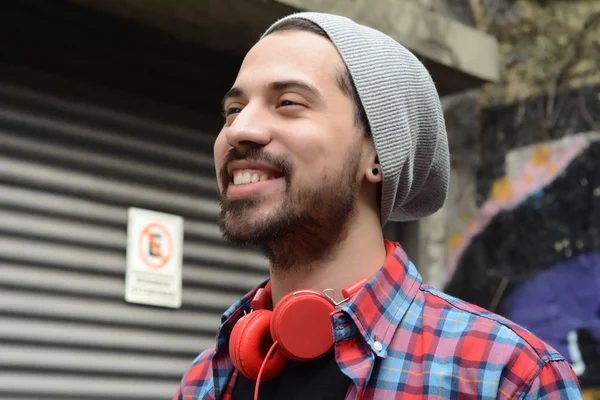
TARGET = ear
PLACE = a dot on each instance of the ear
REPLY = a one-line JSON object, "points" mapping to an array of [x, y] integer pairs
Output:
{"points": [[371, 165], [374, 173]]}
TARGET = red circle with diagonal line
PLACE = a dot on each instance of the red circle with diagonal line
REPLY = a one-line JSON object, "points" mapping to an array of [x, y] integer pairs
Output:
{"points": [[161, 255]]}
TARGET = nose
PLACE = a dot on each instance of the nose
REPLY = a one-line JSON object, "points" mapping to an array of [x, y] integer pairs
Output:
{"points": [[249, 128]]}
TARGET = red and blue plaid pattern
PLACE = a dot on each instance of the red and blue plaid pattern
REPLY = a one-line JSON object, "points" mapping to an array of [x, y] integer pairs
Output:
{"points": [[399, 338]]}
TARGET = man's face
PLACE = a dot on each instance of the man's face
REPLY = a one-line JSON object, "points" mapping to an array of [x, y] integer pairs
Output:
{"points": [[288, 158]]}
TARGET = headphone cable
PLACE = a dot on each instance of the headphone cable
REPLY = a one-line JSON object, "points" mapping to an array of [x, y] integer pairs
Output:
{"points": [[262, 367]]}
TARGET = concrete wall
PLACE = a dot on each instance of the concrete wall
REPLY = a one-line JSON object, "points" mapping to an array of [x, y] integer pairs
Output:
{"points": [[436, 31]]}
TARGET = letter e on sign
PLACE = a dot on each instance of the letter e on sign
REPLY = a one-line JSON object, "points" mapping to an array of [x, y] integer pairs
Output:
{"points": [[154, 258]]}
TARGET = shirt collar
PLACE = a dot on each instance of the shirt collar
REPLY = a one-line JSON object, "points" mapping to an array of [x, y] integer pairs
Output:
{"points": [[232, 315], [377, 309]]}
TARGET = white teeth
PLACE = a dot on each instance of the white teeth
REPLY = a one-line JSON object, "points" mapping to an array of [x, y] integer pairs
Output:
{"points": [[246, 177], [237, 178]]}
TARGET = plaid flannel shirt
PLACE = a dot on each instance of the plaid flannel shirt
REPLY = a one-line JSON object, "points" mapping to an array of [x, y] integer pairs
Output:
{"points": [[399, 338]]}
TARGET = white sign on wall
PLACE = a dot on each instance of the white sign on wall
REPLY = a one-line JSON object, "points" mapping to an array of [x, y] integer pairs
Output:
{"points": [[154, 258]]}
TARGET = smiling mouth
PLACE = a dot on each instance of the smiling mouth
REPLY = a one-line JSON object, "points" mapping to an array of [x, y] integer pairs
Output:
{"points": [[248, 176], [247, 183]]}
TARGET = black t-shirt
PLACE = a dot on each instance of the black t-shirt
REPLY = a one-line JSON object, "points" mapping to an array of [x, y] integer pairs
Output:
{"points": [[320, 379]]}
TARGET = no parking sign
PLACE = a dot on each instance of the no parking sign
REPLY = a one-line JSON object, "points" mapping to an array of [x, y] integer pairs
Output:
{"points": [[154, 258]]}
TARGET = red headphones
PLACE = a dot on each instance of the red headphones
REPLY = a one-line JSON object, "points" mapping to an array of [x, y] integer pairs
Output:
{"points": [[299, 328]]}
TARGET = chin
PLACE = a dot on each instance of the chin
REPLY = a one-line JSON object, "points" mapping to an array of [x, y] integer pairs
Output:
{"points": [[244, 226]]}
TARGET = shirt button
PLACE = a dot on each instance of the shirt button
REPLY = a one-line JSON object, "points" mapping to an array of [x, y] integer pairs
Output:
{"points": [[378, 346]]}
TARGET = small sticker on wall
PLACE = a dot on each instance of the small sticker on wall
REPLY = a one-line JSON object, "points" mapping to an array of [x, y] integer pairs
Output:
{"points": [[154, 258]]}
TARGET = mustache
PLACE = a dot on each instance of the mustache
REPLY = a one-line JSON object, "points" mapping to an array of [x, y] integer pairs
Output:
{"points": [[254, 154]]}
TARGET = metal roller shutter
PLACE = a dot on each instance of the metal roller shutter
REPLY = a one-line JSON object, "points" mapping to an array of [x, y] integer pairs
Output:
{"points": [[68, 172]]}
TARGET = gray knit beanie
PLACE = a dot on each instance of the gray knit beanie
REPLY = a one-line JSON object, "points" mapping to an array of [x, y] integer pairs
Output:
{"points": [[404, 113]]}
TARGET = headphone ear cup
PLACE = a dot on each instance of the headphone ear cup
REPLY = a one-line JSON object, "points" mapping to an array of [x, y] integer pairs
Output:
{"points": [[249, 344], [301, 324]]}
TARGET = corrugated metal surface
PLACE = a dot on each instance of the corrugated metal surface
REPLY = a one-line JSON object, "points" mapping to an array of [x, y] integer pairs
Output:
{"points": [[68, 172]]}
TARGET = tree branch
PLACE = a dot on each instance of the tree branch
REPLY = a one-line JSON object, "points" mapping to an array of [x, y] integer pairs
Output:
{"points": [[563, 71], [585, 113]]}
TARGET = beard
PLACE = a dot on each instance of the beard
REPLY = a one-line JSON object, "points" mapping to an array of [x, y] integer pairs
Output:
{"points": [[305, 227]]}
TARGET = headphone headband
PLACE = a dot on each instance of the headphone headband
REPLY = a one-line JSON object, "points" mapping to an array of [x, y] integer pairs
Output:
{"points": [[263, 298]]}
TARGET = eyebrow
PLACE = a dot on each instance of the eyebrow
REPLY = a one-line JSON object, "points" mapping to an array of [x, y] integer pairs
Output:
{"points": [[295, 84], [277, 86], [234, 92]]}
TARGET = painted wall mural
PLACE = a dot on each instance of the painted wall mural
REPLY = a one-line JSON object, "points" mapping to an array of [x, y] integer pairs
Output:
{"points": [[532, 251], [524, 239], [529, 170], [562, 305]]}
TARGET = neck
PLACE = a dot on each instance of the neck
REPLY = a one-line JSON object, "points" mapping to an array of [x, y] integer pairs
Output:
{"points": [[360, 254]]}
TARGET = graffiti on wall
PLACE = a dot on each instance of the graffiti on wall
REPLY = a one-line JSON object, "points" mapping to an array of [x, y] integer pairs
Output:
{"points": [[529, 170], [562, 305], [536, 243]]}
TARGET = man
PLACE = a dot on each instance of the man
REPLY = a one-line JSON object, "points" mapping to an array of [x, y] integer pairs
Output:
{"points": [[332, 129]]}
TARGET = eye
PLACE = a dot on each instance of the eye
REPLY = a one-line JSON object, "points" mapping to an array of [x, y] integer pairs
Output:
{"points": [[231, 110], [290, 103], [229, 113]]}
